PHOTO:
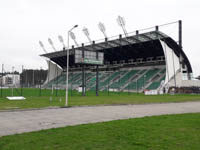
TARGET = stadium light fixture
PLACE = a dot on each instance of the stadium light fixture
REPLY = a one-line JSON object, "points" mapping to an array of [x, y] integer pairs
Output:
{"points": [[72, 35], [67, 74], [102, 29], [61, 41], [42, 46], [51, 43], [121, 22], [87, 34]]}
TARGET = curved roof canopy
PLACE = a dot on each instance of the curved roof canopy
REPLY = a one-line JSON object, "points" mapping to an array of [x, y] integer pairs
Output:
{"points": [[143, 46]]}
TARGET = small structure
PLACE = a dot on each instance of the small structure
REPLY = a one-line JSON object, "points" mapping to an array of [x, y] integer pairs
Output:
{"points": [[10, 79]]}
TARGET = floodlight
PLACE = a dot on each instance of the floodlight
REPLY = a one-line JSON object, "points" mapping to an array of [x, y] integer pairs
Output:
{"points": [[121, 22], [86, 32], [102, 29], [51, 43], [61, 41], [72, 35], [42, 46], [60, 38]]}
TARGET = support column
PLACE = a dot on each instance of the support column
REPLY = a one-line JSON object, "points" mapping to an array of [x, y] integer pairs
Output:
{"points": [[72, 74], [180, 32], [97, 80], [2, 81], [57, 80], [119, 82], [83, 73], [157, 28], [97, 73], [22, 80], [41, 82]]}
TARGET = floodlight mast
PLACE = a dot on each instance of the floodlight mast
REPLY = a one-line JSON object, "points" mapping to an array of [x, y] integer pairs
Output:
{"points": [[121, 22], [102, 29], [86, 32], [51, 43], [67, 73], [42, 46], [72, 35]]}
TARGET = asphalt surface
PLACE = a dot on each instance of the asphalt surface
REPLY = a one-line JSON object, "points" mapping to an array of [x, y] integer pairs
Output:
{"points": [[33, 120]]}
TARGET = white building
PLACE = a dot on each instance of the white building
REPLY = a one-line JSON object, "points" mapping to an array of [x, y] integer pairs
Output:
{"points": [[10, 79]]}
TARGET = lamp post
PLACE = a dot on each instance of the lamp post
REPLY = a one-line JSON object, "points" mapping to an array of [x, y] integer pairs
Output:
{"points": [[67, 74]]}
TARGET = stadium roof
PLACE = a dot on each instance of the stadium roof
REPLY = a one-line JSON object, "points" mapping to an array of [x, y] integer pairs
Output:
{"points": [[107, 44], [136, 46]]}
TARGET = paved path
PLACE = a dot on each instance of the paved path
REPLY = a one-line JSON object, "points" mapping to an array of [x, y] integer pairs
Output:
{"points": [[33, 120]]}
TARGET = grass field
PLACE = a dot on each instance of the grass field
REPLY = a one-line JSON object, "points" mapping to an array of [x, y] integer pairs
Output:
{"points": [[168, 132], [35, 101]]}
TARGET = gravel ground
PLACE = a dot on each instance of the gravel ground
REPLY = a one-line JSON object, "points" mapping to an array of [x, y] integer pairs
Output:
{"points": [[13, 122]]}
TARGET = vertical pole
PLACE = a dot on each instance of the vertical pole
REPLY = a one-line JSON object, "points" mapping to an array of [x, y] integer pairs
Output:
{"points": [[86, 74], [48, 71], [180, 33], [2, 81], [40, 79], [25, 77], [143, 82], [56, 80], [157, 29], [108, 83], [119, 81], [97, 73], [33, 77], [12, 80], [72, 83], [72, 74], [97, 80], [22, 80], [128, 83], [180, 42], [67, 69], [83, 80], [120, 38], [137, 85], [83, 73]]}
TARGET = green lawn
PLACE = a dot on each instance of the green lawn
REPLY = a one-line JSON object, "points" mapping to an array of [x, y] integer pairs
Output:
{"points": [[35, 101], [168, 132]]}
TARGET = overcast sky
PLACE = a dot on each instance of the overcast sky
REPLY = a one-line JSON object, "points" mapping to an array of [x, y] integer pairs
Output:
{"points": [[24, 22]]}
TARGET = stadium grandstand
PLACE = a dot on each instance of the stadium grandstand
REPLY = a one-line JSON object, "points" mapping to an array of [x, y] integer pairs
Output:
{"points": [[134, 62]]}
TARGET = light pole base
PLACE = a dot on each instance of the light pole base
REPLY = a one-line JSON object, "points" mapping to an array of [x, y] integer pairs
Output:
{"points": [[65, 106]]}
